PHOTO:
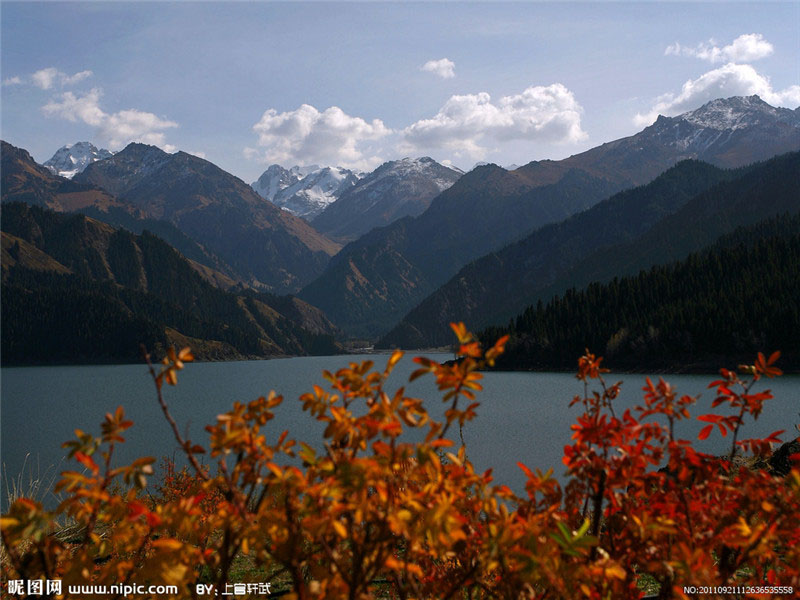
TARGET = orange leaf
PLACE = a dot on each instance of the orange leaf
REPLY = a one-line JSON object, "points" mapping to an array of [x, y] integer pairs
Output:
{"points": [[168, 544], [87, 462]]}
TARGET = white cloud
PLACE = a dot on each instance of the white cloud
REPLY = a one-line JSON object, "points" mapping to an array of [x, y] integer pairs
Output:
{"points": [[723, 82], [444, 68], [47, 78], [466, 123], [70, 79], [745, 48], [198, 154], [12, 81], [115, 130], [308, 136]]}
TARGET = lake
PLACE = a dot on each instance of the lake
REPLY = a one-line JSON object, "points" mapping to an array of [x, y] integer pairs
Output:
{"points": [[523, 416]]}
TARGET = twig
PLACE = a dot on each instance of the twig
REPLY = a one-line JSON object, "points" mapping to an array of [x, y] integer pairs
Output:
{"points": [[184, 444]]}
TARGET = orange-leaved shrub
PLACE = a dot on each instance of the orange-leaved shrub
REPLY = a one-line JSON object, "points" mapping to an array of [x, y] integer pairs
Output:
{"points": [[365, 514]]}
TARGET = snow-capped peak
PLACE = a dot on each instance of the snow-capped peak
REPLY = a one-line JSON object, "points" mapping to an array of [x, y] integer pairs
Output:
{"points": [[304, 191], [702, 132], [274, 180], [71, 159], [730, 113]]}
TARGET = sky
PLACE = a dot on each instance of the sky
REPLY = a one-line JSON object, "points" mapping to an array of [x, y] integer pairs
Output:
{"points": [[249, 84]]}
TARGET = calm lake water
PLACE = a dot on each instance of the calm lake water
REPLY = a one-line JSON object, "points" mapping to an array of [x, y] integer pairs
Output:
{"points": [[523, 416]]}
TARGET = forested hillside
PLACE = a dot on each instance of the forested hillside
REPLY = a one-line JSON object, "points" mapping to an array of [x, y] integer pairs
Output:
{"points": [[77, 290], [715, 307], [685, 209]]}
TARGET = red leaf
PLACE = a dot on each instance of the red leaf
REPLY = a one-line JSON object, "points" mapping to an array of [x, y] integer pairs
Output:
{"points": [[704, 433], [526, 470], [710, 418]]}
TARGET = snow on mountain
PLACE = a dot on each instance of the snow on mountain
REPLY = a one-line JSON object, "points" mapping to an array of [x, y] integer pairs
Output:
{"points": [[396, 189], [737, 127], [304, 191], [71, 159], [274, 180], [409, 170], [737, 113]]}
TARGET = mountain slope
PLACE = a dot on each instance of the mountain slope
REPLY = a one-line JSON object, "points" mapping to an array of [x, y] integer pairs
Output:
{"points": [[768, 189], [77, 289], [71, 159], [634, 230], [504, 282], [718, 306], [23, 180], [394, 190], [376, 280], [727, 132], [265, 245]]}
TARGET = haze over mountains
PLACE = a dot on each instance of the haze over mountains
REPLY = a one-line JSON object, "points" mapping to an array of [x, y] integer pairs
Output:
{"points": [[427, 244]]}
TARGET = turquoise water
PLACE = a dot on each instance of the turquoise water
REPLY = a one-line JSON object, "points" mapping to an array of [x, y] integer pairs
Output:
{"points": [[523, 416]]}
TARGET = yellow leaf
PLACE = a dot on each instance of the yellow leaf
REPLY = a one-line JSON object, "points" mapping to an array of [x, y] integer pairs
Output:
{"points": [[340, 529], [173, 574], [615, 571], [167, 544]]}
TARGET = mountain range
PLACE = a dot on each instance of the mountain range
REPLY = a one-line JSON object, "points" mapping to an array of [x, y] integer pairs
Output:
{"points": [[266, 246], [426, 244], [376, 280], [679, 212], [345, 204]]}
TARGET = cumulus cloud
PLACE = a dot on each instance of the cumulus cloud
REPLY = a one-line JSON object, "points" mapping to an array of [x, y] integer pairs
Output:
{"points": [[308, 136], [12, 81], [745, 48], [728, 80], [444, 68], [466, 123], [198, 154], [115, 130], [49, 77]]}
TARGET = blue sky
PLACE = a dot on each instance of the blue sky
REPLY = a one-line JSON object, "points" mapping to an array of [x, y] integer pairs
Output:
{"points": [[248, 84]]}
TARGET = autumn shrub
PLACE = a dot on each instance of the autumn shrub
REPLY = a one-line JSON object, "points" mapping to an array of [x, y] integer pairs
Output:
{"points": [[363, 513]]}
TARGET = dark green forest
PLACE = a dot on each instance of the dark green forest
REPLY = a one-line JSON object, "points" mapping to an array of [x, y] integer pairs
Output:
{"points": [[717, 307], [125, 290]]}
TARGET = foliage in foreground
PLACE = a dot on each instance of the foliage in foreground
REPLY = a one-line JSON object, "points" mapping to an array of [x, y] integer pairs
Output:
{"points": [[365, 514]]}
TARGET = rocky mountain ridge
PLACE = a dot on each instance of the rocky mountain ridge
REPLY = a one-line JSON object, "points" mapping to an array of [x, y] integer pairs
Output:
{"points": [[396, 189], [268, 247], [71, 159], [304, 191]]}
